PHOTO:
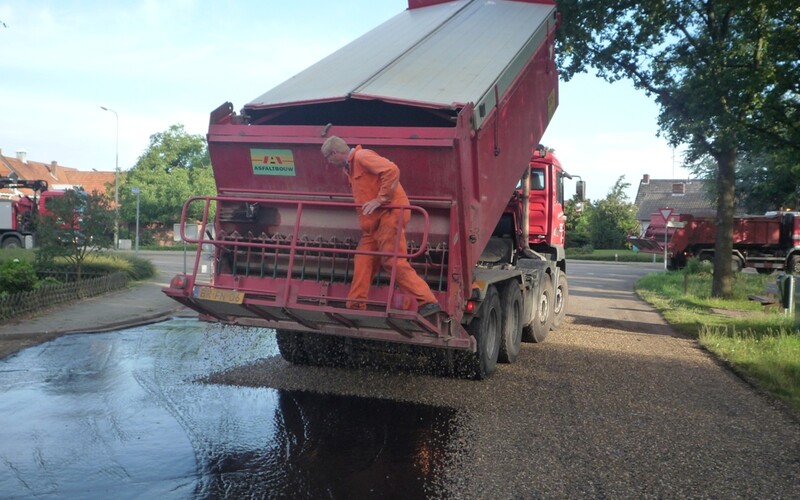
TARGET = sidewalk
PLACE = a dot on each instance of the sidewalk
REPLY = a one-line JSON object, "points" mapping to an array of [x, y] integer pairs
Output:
{"points": [[138, 304]]}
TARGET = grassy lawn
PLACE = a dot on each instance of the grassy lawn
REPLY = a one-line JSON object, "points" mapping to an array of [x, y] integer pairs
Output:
{"points": [[764, 346]]}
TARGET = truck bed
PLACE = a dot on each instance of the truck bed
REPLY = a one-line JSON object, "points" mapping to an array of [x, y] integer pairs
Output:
{"points": [[443, 56]]}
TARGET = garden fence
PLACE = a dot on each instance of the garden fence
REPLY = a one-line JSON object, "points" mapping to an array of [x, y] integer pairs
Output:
{"points": [[19, 304]]}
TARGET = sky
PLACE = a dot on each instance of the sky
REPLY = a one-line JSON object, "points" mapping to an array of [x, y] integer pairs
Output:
{"points": [[157, 63]]}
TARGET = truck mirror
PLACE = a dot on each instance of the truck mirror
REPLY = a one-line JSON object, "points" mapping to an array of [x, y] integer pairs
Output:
{"points": [[580, 190]]}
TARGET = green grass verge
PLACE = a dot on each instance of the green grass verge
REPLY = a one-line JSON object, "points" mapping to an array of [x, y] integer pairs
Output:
{"points": [[764, 346]]}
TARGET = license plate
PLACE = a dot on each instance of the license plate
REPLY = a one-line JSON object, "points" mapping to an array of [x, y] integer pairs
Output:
{"points": [[218, 295]]}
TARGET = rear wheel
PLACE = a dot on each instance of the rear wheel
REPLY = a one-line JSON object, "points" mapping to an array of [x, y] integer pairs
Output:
{"points": [[540, 326], [736, 264], [12, 242], [486, 331], [290, 345], [308, 348], [794, 265], [560, 301], [511, 338]]}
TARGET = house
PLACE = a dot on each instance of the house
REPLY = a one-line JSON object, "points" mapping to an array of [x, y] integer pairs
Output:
{"points": [[683, 196], [58, 177]]}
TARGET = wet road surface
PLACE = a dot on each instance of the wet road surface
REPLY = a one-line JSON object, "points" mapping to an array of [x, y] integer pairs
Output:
{"points": [[123, 415]]}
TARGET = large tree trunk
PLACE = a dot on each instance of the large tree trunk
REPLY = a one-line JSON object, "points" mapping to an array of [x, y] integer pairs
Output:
{"points": [[723, 249]]}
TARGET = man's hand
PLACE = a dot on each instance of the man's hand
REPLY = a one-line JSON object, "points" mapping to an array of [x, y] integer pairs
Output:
{"points": [[370, 206]]}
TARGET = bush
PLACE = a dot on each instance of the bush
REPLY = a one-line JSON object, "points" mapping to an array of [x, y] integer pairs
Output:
{"points": [[697, 266], [17, 276], [583, 250], [106, 263], [139, 268]]}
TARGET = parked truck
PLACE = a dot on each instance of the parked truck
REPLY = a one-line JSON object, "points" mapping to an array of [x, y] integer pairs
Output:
{"points": [[458, 94], [764, 242], [19, 212]]}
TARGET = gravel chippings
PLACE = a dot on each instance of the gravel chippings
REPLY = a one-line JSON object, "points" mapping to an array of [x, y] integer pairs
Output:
{"points": [[594, 411]]}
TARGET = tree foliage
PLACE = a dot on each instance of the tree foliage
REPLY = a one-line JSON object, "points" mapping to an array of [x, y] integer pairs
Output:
{"points": [[724, 73], [577, 224], [613, 219], [175, 167], [74, 226], [768, 181]]}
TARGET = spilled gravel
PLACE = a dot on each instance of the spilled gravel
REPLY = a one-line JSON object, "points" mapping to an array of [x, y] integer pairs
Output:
{"points": [[595, 411]]}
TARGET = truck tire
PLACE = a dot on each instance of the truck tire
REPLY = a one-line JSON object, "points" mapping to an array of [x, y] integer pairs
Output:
{"points": [[511, 337], [12, 242], [736, 264], [794, 265], [540, 326], [487, 329], [290, 345], [560, 301]]}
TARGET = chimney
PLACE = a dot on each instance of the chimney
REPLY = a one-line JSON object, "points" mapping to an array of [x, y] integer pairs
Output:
{"points": [[21, 155], [53, 168], [646, 179]]}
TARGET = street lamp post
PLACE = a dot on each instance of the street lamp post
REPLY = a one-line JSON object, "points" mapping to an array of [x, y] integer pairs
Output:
{"points": [[116, 181], [136, 192]]}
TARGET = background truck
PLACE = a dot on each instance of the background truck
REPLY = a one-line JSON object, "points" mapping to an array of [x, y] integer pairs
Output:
{"points": [[457, 94], [18, 212], [764, 242]]}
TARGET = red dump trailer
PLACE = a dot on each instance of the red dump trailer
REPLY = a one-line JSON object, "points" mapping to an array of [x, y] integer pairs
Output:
{"points": [[458, 95], [764, 242]]}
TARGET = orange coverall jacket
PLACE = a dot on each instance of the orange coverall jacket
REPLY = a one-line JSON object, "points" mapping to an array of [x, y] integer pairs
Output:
{"points": [[372, 176]]}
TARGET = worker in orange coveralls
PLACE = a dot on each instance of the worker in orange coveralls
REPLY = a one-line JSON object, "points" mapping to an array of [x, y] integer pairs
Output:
{"points": [[376, 182]]}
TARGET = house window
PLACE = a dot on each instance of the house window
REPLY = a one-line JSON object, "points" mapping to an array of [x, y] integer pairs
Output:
{"points": [[678, 188]]}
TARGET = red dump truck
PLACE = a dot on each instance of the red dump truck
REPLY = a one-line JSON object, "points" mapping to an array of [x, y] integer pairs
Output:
{"points": [[764, 242], [18, 212], [458, 95]]}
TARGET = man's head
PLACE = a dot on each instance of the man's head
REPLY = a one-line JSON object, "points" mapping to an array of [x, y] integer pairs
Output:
{"points": [[335, 151]]}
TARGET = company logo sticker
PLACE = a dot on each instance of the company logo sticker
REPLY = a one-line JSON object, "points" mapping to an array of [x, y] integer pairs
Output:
{"points": [[272, 162]]}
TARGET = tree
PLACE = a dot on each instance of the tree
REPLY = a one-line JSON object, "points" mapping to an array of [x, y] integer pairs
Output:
{"points": [[768, 181], [74, 226], [175, 167], [720, 70], [577, 224], [613, 219]]}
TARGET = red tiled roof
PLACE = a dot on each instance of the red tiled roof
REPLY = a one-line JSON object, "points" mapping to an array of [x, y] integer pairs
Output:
{"points": [[57, 176]]}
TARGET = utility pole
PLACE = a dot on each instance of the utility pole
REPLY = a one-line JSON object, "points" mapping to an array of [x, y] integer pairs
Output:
{"points": [[116, 181]]}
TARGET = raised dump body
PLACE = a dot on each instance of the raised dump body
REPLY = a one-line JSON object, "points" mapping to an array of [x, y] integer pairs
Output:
{"points": [[458, 95]]}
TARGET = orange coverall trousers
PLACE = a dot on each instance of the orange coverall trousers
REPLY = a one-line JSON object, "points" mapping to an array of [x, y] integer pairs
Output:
{"points": [[381, 238]]}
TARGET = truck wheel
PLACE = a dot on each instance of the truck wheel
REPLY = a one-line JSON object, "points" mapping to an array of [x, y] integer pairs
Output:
{"points": [[736, 264], [794, 265], [12, 242], [540, 326], [486, 331], [560, 301], [511, 337], [290, 345]]}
